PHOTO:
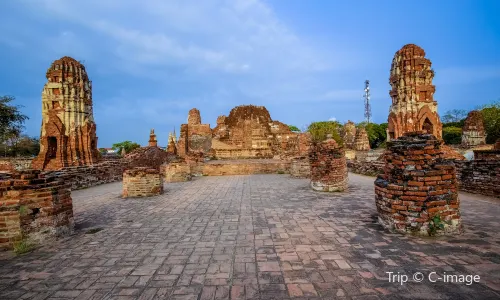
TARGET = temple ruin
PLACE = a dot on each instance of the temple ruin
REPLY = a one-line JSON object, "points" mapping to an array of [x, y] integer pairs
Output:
{"points": [[68, 133], [413, 106], [361, 141], [194, 136], [417, 194], [328, 166], [473, 133], [152, 139], [172, 144], [349, 134]]}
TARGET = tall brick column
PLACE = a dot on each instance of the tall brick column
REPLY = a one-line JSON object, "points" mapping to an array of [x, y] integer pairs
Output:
{"points": [[328, 167], [418, 188]]}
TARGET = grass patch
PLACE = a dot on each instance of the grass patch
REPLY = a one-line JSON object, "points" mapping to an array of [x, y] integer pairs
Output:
{"points": [[280, 172], [93, 230], [23, 246]]}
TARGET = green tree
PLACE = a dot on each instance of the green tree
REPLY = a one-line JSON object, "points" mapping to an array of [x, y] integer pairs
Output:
{"points": [[452, 135], [454, 115], [11, 119], [127, 145], [319, 131], [491, 118], [377, 133], [294, 128], [103, 151], [22, 145]]}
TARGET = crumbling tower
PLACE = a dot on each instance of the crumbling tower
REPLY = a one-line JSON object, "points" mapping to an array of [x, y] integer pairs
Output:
{"points": [[473, 130], [413, 107], [152, 139], [68, 133]]}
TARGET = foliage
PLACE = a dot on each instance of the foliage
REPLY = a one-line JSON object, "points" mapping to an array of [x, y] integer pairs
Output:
{"points": [[103, 151], [377, 133], [435, 224], [11, 119], [491, 118], [21, 145], [454, 115], [452, 135], [23, 246], [459, 124], [294, 128], [319, 131], [127, 145]]}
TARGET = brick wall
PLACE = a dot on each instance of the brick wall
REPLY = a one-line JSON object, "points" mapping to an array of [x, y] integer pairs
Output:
{"points": [[88, 176], [328, 167], [417, 185], [300, 167], [15, 163], [487, 154], [34, 206], [142, 182], [369, 168], [177, 172], [479, 176], [241, 167]]}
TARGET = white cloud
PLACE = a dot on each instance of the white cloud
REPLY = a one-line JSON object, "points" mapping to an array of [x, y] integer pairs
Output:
{"points": [[332, 119]]}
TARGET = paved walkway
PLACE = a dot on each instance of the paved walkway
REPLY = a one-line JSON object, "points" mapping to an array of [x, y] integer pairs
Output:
{"points": [[252, 237]]}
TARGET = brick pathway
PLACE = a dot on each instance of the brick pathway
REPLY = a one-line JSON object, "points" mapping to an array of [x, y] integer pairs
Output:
{"points": [[251, 237]]}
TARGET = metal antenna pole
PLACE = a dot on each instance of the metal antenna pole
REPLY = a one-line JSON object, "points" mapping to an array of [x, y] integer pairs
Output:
{"points": [[368, 110]]}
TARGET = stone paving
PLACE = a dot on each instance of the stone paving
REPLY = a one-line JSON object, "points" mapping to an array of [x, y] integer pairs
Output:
{"points": [[251, 237]]}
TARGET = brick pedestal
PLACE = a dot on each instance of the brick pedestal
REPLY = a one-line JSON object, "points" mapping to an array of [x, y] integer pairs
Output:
{"points": [[33, 207], [300, 167], [177, 172], [417, 186], [142, 182], [328, 167]]}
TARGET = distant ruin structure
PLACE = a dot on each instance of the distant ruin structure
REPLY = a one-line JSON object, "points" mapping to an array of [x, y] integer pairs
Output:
{"points": [[361, 141], [413, 106], [417, 194], [68, 133], [194, 136], [152, 139], [328, 166], [172, 144], [349, 134], [473, 132]]}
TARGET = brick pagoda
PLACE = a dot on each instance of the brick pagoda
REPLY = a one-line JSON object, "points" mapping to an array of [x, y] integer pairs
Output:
{"points": [[68, 135], [413, 107]]}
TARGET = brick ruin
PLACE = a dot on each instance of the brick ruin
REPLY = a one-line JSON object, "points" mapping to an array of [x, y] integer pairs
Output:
{"points": [[172, 144], [142, 182], [497, 145], [300, 167], [152, 139], [418, 185], [177, 171], [413, 107], [248, 132], [361, 141], [68, 134], [328, 166], [194, 136], [473, 133], [34, 207], [349, 134], [151, 157]]}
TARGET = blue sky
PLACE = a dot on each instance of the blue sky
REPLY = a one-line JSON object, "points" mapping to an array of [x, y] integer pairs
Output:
{"points": [[151, 61]]}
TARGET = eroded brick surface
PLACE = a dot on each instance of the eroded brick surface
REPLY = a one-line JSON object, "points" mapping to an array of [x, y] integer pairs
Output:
{"points": [[328, 166], [142, 182], [251, 237], [473, 130]]}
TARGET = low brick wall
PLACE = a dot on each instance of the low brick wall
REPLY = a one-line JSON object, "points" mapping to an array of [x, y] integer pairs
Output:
{"points": [[241, 167], [300, 167], [15, 163], [328, 167], [369, 168], [87, 176], [177, 172], [33, 207], [479, 176], [487, 154], [142, 182]]}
